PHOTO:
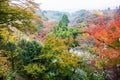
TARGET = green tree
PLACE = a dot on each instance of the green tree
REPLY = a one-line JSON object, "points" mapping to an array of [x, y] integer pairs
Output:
{"points": [[64, 21], [62, 30], [29, 50]]}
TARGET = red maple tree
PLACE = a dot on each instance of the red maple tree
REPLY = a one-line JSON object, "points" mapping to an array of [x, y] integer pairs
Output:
{"points": [[107, 43], [107, 39]]}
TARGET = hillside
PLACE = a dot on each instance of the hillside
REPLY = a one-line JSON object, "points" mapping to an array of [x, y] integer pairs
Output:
{"points": [[55, 45]]}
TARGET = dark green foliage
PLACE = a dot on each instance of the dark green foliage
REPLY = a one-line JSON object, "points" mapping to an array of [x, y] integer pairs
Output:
{"points": [[11, 48], [2, 44], [1, 37], [74, 32], [64, 21], [29, 50]]}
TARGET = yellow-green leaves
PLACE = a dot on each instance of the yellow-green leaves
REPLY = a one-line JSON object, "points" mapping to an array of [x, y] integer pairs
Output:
{"points": [[34, 69]]}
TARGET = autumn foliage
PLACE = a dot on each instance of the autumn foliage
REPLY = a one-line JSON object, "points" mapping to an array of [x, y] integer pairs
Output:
{"points": [[107, 39]]}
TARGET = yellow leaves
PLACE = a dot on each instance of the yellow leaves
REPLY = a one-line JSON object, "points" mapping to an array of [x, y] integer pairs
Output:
{"points": [[60, 48], [99, 13], [4, 30], [67, 59], [3, 59], [4, 68], [34, 69], [55, 43], [84, 34], [7, 33]]}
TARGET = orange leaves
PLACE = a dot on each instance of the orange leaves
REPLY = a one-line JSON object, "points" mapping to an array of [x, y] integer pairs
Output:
{"points": [[47, 28], [108, 33], [110, 53], [107, 39], [113, 31]]}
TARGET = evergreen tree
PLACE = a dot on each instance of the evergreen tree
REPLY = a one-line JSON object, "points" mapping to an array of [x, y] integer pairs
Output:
{"points": [[64, 21]]}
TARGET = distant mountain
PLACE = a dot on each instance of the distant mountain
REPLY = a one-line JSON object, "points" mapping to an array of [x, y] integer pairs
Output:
{"points": [[51, 15], [76, 17], [56, 15]]}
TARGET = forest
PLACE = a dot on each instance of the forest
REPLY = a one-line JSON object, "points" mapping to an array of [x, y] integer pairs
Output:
{"points": [[53, 45]]}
